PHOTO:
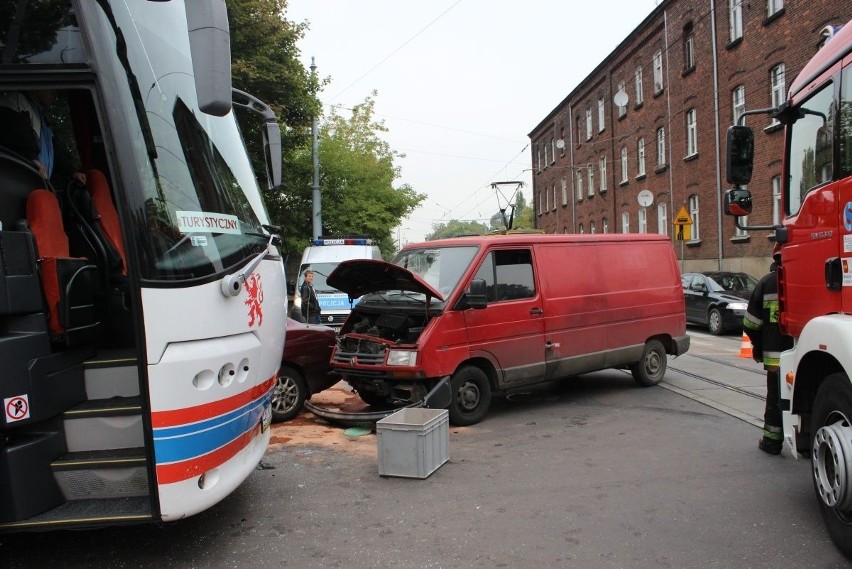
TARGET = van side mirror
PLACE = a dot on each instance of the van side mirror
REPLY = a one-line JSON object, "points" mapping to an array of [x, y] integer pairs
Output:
{"points": [[738, 202], [475, 296], [740, 155]]}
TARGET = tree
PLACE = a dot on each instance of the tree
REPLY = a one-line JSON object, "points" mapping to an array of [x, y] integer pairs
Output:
{"points": [[356, 166], [522, 217], [456, 228], [357, 173]]}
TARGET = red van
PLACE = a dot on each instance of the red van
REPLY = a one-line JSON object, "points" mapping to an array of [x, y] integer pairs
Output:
{"points": [[500, 312]]}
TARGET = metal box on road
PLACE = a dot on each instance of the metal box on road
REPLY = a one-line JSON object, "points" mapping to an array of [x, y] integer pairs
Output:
{"points": [[413, 442]]}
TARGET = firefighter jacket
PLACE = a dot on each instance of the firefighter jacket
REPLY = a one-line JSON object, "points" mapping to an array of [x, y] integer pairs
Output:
{"points": [[761, 324]]}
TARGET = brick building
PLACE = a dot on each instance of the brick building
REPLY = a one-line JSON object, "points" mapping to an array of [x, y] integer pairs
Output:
{"points": [[649, 125]]}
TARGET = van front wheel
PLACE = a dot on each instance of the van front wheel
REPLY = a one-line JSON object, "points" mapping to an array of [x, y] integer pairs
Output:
{"points": [[471, 396], [652, 367]]}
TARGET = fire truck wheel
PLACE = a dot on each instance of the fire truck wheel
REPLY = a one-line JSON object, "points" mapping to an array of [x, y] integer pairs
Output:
{"points": [[471, 396], [831, 458], [652, 367], [289, 395]]}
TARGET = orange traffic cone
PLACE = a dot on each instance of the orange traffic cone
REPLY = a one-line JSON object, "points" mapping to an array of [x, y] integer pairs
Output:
{"points": [[745, 347]]}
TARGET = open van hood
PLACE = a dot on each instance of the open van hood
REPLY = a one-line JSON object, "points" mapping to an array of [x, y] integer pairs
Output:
{"points": [[358, 277]]}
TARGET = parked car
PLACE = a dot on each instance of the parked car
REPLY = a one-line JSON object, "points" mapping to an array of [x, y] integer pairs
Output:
{"points": [[305, 368], [717, 300]]}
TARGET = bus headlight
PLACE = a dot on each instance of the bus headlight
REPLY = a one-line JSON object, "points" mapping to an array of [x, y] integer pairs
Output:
{"points": [[402, 357]]}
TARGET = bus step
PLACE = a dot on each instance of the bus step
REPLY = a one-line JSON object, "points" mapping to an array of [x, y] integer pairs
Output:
{"points": [[116, 473], [112, 373], [87, 513], [101, 424]]}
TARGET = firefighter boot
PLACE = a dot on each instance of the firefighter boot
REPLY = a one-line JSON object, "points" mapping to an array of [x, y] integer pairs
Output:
{"points": [[772, 440]]}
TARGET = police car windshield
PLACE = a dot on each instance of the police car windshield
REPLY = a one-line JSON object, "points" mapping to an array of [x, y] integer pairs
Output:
{"points": [[321, 272]]}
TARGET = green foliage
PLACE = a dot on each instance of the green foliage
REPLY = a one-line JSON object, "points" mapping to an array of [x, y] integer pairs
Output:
{"points": [[456, 228], [356, 166]]}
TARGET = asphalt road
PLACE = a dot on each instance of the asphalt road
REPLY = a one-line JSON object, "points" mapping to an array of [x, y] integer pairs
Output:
{"points": [[592, 472]]}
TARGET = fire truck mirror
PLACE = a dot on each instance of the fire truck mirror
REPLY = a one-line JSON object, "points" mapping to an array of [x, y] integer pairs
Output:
{"points": [[738, 202], [740, 154]]}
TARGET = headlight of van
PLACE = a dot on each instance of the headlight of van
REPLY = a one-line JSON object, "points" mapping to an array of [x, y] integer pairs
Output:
{"points": [[737, 305], [402, 357]]}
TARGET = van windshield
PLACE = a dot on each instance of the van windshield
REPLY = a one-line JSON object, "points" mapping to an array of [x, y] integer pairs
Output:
{"points": [[441, 267], [321, 272]]}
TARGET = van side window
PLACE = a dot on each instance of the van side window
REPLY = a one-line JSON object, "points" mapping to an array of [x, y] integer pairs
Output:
{"points": [[508, 275]]}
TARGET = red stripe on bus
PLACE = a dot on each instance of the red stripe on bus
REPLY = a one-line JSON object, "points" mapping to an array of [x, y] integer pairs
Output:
{"points": [[180, 471], [175, 417]]}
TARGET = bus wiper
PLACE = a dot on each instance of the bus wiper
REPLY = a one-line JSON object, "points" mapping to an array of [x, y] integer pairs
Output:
{"points": [[232, 284]]}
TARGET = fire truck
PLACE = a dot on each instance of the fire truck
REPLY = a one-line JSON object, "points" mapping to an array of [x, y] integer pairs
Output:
{"points": [[814, 237]]}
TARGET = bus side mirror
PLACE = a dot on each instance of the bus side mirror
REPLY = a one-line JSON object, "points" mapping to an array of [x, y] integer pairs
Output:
{"points": [[740, 155], [738, 202], [272, 153], [210, 47], [476, 297]]}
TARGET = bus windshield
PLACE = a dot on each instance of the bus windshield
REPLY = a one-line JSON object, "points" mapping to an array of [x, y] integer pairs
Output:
{"points": [[197, 211]]}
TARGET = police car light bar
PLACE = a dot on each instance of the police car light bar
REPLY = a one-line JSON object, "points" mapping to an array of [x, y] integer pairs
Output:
{"points": [[321, 242]]}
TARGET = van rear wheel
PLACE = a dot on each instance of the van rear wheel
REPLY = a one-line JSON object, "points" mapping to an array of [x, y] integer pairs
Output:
{"points": [[652, 367], [471, 396]]}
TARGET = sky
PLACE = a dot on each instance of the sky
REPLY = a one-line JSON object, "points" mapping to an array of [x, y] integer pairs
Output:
{"points": [[460, 84]]}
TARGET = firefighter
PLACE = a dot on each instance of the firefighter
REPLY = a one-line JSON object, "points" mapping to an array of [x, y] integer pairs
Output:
{"points": [[761, 324]]}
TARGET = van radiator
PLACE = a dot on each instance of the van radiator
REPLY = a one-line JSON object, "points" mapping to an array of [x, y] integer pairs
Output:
{"points": [[353, 349]]}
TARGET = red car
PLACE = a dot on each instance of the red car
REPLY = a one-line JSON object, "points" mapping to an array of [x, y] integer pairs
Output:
{"points": [[305, 368]]}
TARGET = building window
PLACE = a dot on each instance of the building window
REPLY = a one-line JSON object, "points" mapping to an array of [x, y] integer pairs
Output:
{"points": [[552, 150], [640, 156], [581, 229], [579, 129], [777, 86], [688, 47], [564, 190], [773, 7], [602, 165], [579, 186], [691, 132], [623, 163], [662, 219], [562, 138], [547, 201], [544, 144], [739, 103], [693, 212], [601, 121], [643, 220], [625, 222], [658, 72], [592, 227], [591, 172], [540, 200], [622, 111], [555, 201], [637, 76], [661, 146], [605, 225], [735, 12], [743, 219], [589, 124], [776, 200]]}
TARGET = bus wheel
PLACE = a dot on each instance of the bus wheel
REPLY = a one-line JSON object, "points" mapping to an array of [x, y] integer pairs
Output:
{"points": [[652, 367], [289, 395], [831, 458], [471, 396]]}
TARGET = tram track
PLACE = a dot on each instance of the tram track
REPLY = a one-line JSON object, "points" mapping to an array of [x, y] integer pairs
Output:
{"points": [[719, 383]]}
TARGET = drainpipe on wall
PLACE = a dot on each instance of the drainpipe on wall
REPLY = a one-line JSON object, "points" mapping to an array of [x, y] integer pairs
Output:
{"points": [[716, 129], [669, 125], [571, 168]]}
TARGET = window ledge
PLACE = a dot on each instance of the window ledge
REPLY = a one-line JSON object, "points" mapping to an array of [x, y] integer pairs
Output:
{"points": [[773, 128], [734, 43], [658, 93], [623, 183], [693, 243], [691, 157], [622, 116], [640, 177], [740, 238], [660, 169], [602, 192], [773, 17], [638, 106], [687, 71], [770, 236]]}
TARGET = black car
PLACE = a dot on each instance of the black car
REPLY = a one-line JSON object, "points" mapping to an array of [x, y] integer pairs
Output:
{"points": [[717, 300]]}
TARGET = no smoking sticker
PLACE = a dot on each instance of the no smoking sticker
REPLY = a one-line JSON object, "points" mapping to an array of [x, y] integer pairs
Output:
{"points": [[17, 408]]}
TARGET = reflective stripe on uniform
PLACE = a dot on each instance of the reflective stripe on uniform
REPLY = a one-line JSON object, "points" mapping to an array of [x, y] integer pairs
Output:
{"points": [[752, 322]]}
